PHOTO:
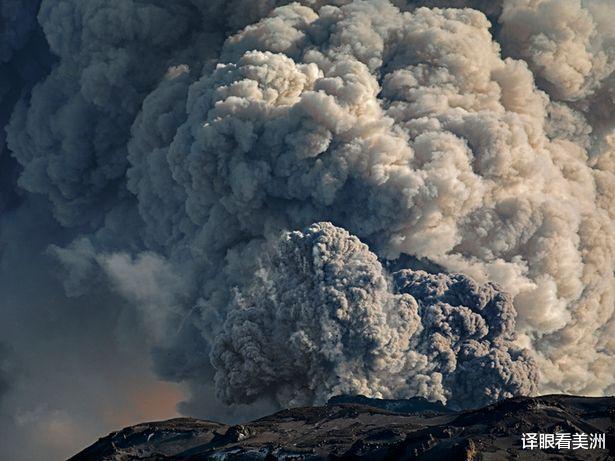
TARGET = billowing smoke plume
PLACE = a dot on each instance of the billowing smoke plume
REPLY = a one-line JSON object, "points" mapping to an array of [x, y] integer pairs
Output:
{"points": [[322, 317], [181, 145], [574, 55]]}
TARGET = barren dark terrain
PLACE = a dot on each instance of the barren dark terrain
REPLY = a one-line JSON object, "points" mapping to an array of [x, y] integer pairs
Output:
{"points": [[358, 428]]}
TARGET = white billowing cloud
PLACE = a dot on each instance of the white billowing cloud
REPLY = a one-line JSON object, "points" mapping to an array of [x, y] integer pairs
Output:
{"points": [[568, 43], [151, 285], [147, 281]]}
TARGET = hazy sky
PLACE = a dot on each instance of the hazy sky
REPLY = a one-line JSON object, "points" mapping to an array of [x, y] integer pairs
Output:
{"points": [[78, 368]]}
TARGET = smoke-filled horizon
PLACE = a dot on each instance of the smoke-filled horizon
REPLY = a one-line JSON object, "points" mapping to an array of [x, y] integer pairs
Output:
{"points": [[278, 201]]}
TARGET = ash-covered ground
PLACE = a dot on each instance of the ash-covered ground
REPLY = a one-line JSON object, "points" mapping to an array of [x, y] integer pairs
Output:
{"points": [[359, 428]]}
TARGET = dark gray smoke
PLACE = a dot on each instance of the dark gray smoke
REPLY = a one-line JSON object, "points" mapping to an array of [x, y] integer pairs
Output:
{"points": [[322, 317], [469, 331], [24, 59]]}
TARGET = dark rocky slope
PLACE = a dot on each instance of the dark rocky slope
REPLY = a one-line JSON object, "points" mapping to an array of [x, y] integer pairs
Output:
{"points": [[358, 428]]}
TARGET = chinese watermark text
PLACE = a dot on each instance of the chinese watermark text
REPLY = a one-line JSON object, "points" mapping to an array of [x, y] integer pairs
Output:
{"points": [[563, 441]]}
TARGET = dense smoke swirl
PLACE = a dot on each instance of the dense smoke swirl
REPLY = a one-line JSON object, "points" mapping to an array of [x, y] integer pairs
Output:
{"points": [[322, 317], [182, 144]]}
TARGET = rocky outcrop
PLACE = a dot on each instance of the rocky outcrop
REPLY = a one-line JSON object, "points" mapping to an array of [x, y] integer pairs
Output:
{"points": [[359, 428]]}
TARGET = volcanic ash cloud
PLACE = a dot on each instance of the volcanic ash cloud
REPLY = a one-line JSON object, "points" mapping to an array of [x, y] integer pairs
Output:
{"points": [[322, 317], [427, 133]]}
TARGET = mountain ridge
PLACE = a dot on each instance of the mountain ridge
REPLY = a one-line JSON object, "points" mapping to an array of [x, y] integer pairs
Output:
{"points": [[361, 428]]}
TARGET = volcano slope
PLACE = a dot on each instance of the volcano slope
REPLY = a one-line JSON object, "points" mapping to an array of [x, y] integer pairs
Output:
{"points": [[359, 428]]}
